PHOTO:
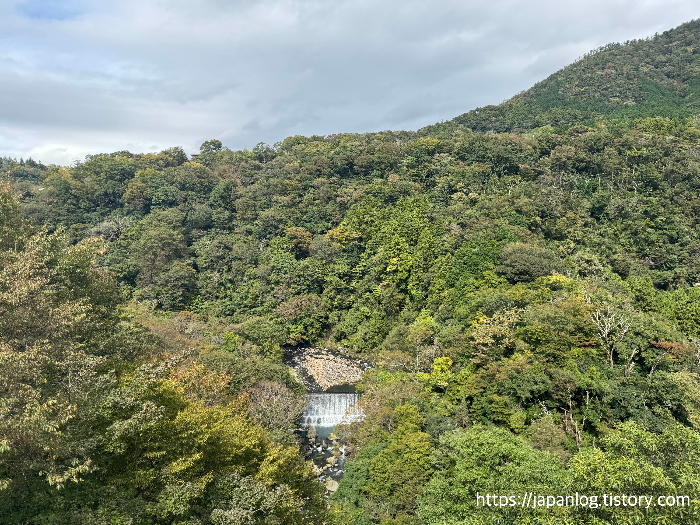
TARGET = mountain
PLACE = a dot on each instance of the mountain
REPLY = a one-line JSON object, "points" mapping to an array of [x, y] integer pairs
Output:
{"points": [[529, 302], [651, 77]]}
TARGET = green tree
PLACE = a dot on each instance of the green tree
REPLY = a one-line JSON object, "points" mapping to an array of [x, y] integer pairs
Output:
{"points": [[483, 461]]}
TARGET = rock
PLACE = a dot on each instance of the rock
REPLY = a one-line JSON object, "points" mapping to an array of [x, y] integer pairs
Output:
{"points": [[331, 485], [311, 433], [332, 461], [333, 438], [321, 369]]}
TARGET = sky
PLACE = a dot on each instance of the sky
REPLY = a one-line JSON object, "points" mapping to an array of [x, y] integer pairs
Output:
{"points": [[81, 77]]}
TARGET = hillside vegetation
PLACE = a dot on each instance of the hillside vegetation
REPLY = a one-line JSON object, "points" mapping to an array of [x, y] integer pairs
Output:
{"points": [[530, 301], [654, 77]]}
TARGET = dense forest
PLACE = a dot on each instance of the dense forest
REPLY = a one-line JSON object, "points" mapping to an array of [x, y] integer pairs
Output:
{"points": [[526, 286]]}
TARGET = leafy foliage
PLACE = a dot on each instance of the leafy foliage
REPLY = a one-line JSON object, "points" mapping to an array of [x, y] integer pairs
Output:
{"points": [[93, 432]]}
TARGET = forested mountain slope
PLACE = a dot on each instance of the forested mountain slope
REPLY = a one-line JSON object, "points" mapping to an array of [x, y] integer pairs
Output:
{"points": [[529, 300], [652, 77]]}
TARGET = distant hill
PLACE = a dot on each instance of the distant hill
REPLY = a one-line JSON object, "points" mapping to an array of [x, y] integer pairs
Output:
{"points": [[656, 76]]}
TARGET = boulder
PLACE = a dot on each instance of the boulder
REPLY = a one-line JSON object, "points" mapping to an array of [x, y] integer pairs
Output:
{"points": [[331, 485]]}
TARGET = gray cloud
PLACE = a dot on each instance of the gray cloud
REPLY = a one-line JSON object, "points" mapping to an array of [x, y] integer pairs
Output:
{"points": [[82, 76]]}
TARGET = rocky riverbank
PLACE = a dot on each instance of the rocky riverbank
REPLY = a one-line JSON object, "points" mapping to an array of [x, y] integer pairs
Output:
{"points": [[321, 369]]}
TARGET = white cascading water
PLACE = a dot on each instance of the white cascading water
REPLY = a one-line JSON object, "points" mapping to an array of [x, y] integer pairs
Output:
{"points": [[329, 410]]}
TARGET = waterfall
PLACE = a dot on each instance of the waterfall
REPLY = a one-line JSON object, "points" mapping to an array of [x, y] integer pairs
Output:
{"points": [[329, 410]]}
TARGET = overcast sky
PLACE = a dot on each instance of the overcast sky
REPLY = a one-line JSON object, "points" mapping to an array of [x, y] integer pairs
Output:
{"points": [[89, 76]]}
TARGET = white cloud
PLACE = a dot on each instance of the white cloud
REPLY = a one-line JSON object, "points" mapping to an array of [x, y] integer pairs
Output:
{"points": [[80, 77]]}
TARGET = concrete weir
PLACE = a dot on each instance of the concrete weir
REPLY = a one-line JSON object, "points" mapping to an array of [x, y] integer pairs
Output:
{"points": [[325, 411], [330, 379]]}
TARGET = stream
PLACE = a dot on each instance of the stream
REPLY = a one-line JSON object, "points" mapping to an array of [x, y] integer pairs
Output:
{"points": [[330, 379]]}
